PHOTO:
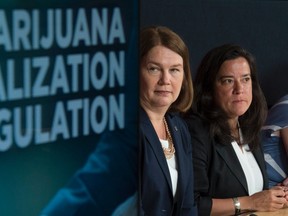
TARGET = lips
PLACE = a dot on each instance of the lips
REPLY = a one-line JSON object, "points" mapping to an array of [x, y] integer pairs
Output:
{"points": [[163, 92], [238, 100]]}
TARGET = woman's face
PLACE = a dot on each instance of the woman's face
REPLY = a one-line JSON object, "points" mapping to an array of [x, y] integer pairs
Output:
{"points": [[233, 87], [161, 77]]}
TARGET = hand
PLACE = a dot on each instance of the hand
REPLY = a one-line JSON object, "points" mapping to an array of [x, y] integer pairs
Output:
{"points": [[270, 200], [285, 189], [285, 182]]}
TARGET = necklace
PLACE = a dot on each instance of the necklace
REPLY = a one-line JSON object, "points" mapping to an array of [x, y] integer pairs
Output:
{"points": [[170, 151]]}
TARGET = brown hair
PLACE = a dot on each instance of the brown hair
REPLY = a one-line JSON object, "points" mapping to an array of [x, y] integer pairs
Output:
{"points": [[159, 35]]}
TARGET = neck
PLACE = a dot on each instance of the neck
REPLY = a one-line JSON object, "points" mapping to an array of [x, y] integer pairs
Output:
{"points": [[233, 124], [159, 126], [154, 113]]}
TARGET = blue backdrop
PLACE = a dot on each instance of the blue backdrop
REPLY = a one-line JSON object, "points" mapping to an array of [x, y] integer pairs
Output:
{"points": [[68, 84]]}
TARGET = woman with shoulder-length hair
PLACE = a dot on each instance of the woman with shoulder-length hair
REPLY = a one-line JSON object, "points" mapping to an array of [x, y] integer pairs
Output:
{"points": [[252, 120], [167, 177], [225, 124]]}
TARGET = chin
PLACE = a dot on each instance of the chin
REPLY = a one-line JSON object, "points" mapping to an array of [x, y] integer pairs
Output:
{"points": [[241, 113]]}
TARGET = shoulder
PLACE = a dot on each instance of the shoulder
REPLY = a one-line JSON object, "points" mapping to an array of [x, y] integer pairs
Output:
{"points": [[282, 103], [284, 98], [177, 120], [277, 117], [177, 124], [199, 129], [196, 122]]}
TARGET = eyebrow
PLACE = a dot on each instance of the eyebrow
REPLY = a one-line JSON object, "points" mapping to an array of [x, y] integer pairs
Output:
{"points": [[229, 76], [178, 65], [159, 64]]}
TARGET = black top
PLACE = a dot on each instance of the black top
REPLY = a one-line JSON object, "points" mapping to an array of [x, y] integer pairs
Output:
{"points": [[217, 170]]}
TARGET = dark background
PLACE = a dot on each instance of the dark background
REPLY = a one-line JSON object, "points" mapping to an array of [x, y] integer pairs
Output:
{"points": [[259, 26]]}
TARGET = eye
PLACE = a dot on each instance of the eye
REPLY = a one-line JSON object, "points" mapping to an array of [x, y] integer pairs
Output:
{"points": [[174, 70], [153, 69], [246, 79], [227, 81]]}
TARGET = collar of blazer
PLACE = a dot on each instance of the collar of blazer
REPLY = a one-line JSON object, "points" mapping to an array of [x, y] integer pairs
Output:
{"points": [[154, 142], [229, 156]]}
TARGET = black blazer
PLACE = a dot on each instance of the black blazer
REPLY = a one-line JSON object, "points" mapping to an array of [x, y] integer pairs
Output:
{"points": [[156, 188], [217, 170]]}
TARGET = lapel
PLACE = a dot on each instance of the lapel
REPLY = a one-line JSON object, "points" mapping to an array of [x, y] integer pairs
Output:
{"points": [[259, 156], [229, 156], [153, 141], [180, 155]]}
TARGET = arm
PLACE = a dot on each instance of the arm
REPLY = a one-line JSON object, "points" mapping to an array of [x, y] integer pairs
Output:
{"points": [[201, 163], [223, 207], [284, 137], [267, 200]]}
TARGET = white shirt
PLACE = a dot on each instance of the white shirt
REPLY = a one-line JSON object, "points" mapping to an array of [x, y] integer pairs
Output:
{"points": [[250, 167], [172, 167]]}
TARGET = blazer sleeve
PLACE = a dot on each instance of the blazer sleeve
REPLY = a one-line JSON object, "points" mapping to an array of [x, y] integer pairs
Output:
{"points": [[201, 143]]}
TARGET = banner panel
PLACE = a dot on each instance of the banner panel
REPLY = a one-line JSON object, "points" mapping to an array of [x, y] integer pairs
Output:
{"points": [[68, 93]]}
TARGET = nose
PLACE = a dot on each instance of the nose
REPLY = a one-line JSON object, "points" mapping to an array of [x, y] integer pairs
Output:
{"points": [[164, 78], [238, 87]]}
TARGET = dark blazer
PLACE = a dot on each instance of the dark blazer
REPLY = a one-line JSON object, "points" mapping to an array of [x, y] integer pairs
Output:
{"points": [[217, 170], [156, 188]]}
